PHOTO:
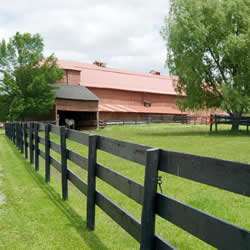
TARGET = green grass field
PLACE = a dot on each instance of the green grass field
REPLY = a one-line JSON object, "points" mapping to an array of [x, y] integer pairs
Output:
{"points": [[34, 216]]}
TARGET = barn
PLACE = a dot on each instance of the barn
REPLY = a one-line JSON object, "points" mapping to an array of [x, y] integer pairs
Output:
{"points": [[73, 102], [124, 94]]}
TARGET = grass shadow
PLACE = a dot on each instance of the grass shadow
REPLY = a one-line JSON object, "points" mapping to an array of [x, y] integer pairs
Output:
{"points": [[75, 220]]}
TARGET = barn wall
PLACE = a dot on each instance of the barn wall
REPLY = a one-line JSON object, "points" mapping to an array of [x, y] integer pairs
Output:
{"points": [[112, 96], [74, 77], [119, 115], [74, 105]]}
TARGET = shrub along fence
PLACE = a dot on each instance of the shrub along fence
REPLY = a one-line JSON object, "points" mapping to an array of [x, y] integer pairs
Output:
{"points": [[227, 175]]}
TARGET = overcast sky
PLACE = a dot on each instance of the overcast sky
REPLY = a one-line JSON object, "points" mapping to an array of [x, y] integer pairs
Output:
{"points": [[123, 33]]}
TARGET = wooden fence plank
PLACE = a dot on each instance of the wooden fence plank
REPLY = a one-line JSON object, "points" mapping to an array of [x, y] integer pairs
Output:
{"points": [[120, 216], [78, 182], [64, 163], [91, 182], [47, 153], [42, 154], [130, 224], [36, 128], [228, 175], [54, 129], [41, 126], [148, 209], [78, 136], [127, 186], [56, 164], [56, 147], [210, 229], [161, 244], [41, 140], [78, 159], [126, 150]]}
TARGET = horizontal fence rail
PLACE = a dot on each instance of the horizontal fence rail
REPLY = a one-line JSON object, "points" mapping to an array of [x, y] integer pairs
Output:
{"points": [[227, 175], [223, 119], [184, 119]]}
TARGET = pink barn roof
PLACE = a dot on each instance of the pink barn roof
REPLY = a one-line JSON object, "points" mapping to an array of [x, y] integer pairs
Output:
{"points": [[104, 77], [139, 109]]}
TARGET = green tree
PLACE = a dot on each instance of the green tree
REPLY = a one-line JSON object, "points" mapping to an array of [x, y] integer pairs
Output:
{"points": [[26, 78], [208, 45]]}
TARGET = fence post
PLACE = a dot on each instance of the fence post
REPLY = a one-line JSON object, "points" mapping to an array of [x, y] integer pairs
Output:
{"points": [[31, 143], [47, 153], [6, 129], [64, 163], [211, 123], [10, 131], [148, 209], [36, 125], [91, 182], [215, 120], [25, 140], [21, 136], [14, 129], [16, 134]]}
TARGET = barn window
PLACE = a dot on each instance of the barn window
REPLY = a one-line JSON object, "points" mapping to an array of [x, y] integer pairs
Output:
{"points": [[147, 104]]}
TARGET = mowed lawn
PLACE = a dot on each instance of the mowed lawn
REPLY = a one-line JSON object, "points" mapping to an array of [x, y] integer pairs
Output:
{"points": [[34, 216]]}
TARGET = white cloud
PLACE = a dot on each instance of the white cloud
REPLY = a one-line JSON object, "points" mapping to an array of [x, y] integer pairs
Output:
{"points": [[124, 34]]}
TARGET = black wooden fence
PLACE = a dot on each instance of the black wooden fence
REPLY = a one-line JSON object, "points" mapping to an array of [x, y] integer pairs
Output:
{"points": [[227, 175], [225, 119], [187, 119]]}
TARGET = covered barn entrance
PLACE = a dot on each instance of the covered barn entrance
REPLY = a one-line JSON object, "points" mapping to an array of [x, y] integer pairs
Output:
{"points": [[78, 104], [83, 120]]}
